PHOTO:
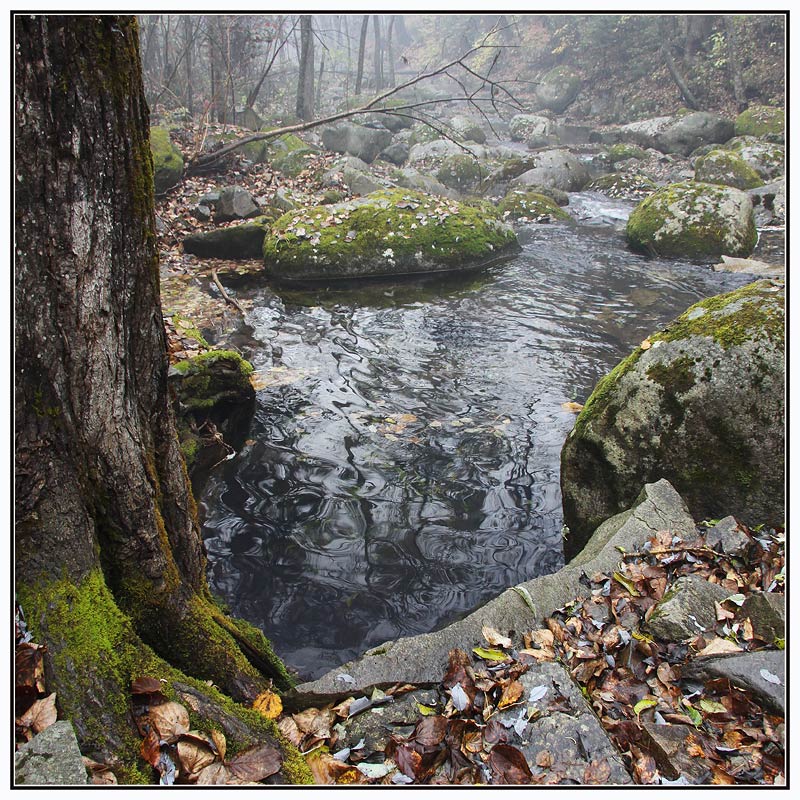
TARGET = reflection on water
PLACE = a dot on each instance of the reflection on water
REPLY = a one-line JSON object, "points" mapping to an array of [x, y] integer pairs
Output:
{"points": [[403, 463]]}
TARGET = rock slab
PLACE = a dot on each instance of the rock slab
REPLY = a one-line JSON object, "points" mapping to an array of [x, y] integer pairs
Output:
{"points": [[51, 758]]}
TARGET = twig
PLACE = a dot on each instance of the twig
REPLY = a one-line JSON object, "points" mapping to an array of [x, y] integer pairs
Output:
{"points": [[225, 295]]}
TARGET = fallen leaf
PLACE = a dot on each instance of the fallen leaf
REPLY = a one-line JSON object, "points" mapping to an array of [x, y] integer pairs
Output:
{"points": [[214, 775], [426, 711], [150, 748], [712, 706], [269, 704], [289, 728], [645, 703], [490, 655], [257, 763], [459, 697], [646, 344], [598, 772], [770, 677], [315, 721], [170, 720], [29, 666], [537, 693], [544, 759], [574, 408], [495, 638], [99, 774], [430, 731], [42, 714], [719, 646], [218, 737], [511, 694], [145, 685], [509, 766], [194, 756]]}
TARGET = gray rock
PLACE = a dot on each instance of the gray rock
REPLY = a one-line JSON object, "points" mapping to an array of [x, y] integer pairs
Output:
{"points": [[689, 132], [282, 200], [766, 158], [201, 212], [209, 199], [751, 266], [644, 132], [410, 178], [745, 671], [52, 757], [727, 168], [357, 140], [439, 149], [529, 128], [557, 89], [668, 746], [729, 536], [237, 241], [770, 201], [686, 610], [395, 153], [703, 407], [468, 129], [556, 168], [234, 203], [361, 183], [423, 659], [574, 737], [767, 612], [392, 122]]}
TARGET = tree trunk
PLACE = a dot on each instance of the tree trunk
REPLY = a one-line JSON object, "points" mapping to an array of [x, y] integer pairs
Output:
{"points": [[376, 24], [305, 78], [686, 93], [188, 34], [109, 558], [733, 63], [362, 43]]}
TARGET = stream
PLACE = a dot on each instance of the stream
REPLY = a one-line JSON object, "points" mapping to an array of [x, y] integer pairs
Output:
{"points": [[402, 465]]}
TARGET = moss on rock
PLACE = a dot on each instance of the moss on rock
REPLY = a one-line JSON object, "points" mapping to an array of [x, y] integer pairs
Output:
{"points": [[212, 378], [460, 172], [390, 232], [760, 121], [623, 151], [531, 207], [694, 220], [623, 184], [727, 169], [167, 160]]}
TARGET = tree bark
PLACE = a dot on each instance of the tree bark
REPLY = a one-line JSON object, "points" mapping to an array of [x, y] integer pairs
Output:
{"points": [[362, 43], [390, 50], [688, 97], [305, 78], [734, 64], [376, 25], [109, 558]]}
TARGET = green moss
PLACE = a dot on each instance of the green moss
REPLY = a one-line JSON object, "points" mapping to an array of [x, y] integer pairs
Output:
{"points": [[400, 228], [188, 329], [423, 134], [677, 376], [623, 151], [214, 377], [760, 121], [460, 172], [531, 206], [332, 196], [167, 160], [682, 219], [728, 169]]}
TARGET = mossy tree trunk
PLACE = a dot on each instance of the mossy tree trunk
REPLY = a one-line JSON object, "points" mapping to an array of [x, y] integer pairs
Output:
{"points": [[109, 558]]}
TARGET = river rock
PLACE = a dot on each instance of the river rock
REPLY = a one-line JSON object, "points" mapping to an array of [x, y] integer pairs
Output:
{"points": [[767, 613], [693, 220], [769, 203], [702, 405], [467, 129], [686, 133], [726, 168], [766, 158], [393, 232], [556, 168], [282, 199], [395, 153], [529, 128], [760, 120], [50, 758], [433, 153], [360, 182], [460, 172], [211, 379], [686, 609], [643, 132], [532, 207], [623, 185], [235, 203], [237, 241], [747, 672], [728, 536], [357, 140], [167, 160], [410, 178], [669, 746], [750, 266], [557, 89]]}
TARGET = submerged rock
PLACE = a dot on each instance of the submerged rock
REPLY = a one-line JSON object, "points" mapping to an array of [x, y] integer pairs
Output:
{"points": [[693, 219], [167, 160], [392, 232], [727, 169], [702, 405]]}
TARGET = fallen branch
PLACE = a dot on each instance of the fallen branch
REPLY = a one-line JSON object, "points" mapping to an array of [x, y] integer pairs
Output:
{"points": [[225, 295]]}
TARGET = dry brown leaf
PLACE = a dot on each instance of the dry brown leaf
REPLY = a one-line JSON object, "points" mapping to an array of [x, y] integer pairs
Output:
{"points": [[327, 771], [719, 646], [646, 344], [214, 775], [574, 408], [42, 714], [315, 721], [145, 685], [288, 727], [29, 666], [544, 759], [269, 704], [218, 737], [194, 756], [495, 638], [511, 694], [747, 633], [170, 720], [99, 774], [256, 763], [151, 748], [598, 772], [722, 613]]}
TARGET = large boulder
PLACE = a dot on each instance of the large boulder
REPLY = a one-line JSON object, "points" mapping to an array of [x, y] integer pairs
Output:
{"points": [[358, 140], [557, 168], [690, 131], [467, 129], [557, 89], [694, 220], [235, 203], [726, 168], [624, 185], [766, 158], [410, 178], [702, 405], [460, 172], [530, 128], [236, 241], [760, 121], [167, 160], [393, 232], [769, 203], [643, 132], [532, 207], [433, 153]]}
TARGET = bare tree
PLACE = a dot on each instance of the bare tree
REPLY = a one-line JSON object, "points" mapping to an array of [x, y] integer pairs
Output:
{"points": [[362, 43], [376, 26], [305, 79]]}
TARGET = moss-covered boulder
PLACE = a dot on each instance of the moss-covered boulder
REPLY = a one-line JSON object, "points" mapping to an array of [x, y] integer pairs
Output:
{"points": [[694, 220], [726, 168], [467, 129], [532, 129], [760, 121], [460, 172], [211, 379], [237, 241], [391, 232], [557, 168], [167, 160], [558, 88], [622, 151], [702, 405], [531, 207], [356, 140], [624, 185], [422, 134], [289, 154], [768, 159]]}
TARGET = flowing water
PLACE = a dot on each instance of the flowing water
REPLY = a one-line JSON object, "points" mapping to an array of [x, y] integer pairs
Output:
{"points": [[402, 466]]}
